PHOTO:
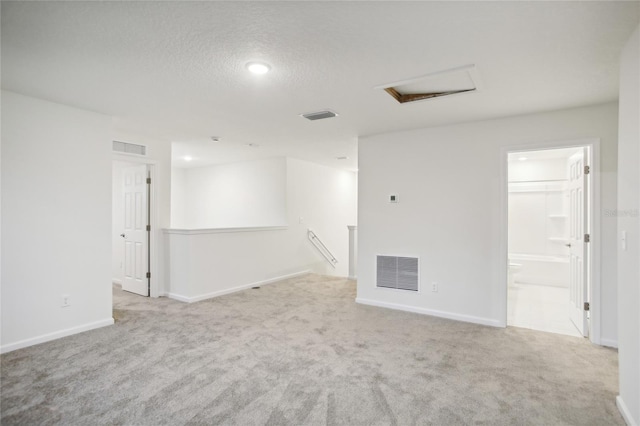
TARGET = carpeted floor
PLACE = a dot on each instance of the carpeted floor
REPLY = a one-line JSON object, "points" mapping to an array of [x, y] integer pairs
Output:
{"points": [[302, 352]]}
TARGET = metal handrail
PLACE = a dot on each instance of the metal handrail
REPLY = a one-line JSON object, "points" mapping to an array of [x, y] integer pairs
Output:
{"points": [[324, 251]]}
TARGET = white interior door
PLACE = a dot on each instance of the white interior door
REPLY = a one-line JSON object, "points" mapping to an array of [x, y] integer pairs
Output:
{"points": [[578, 210], [136, 236]]}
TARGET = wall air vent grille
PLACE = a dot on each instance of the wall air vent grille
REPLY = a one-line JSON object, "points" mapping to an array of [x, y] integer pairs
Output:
{"points": [[319, 115], [129, 148], [397, 272]]}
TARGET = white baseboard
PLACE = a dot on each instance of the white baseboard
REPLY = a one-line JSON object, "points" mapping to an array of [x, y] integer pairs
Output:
{"points": [[609, 343], [354, 278], [626, 414], [116, 281], [424, 311], [55, 335], [218, 293], [179, 297]]}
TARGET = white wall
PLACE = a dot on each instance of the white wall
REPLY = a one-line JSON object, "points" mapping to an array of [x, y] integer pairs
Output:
{"points": [[449, 184], [537, 170], [533, 227], [179, 198], [209, 263], [243, 194], [56, 214], [629, 221], [325, 200]]}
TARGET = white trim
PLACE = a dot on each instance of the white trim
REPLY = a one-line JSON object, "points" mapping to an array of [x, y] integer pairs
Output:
{"points": [[179, 297], [211, 295], [624, 410], [354, 278], [594, 226], [223, 230], [116, 281], [611, 343], [131, 157], [595, 254], [470, 69], [55, 335], [441, 314], [154, 285]]}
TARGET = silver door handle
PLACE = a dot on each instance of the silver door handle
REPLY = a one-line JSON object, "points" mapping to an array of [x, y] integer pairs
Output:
{"points": [[568, 245], [122, 235]]}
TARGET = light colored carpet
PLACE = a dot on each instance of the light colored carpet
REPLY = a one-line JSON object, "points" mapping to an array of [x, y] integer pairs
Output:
{"points": [[302, 352]]}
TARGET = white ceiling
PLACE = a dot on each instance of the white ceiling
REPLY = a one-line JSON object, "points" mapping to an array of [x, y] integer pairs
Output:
{"points": [[175, 71]]}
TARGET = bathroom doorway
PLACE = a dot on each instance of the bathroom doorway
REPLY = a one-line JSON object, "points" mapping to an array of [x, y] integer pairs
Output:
{"points": [[549, 228]]}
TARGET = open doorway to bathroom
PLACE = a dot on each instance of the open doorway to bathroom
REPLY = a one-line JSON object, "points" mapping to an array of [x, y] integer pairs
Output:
{"points": [[549, 208]]}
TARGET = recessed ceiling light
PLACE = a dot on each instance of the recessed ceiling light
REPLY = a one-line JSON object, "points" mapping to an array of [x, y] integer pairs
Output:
{"points": [[522, 158], [258, 67], [187, 158]]}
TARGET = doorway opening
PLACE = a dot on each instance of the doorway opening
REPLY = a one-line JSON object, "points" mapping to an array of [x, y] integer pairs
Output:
{"points": [[550, 225], [131, 227]]}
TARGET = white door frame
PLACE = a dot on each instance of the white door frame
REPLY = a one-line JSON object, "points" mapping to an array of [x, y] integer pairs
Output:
{"points": [[594, 226], [154, 287]]}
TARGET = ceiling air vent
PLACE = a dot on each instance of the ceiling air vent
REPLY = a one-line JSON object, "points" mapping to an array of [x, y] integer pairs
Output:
{"points": [[442, 83], [319, 115], [129, 148], [397, 272]]}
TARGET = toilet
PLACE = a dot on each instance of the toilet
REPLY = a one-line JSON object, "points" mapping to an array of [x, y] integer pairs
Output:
{"points": [[514, 268]]}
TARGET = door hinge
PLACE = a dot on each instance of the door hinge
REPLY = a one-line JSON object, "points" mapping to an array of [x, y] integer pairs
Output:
{"points": [[148, 181], [587, 170], [148, 228], [587, 238], [148, 274], [586, 306]]}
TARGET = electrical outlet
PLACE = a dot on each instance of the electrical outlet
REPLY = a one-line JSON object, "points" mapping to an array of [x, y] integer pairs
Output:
{"points": [[66, 301], [434, 287]]}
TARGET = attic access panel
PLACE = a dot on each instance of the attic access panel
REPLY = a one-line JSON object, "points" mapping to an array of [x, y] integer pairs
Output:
{"points": [[442, 83]]}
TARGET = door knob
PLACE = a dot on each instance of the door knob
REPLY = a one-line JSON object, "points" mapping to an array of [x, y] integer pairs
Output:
{"points": [[122, 235], [568, 245]]}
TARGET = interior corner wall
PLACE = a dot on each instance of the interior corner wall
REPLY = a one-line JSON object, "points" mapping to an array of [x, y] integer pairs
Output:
{"points": [[234, 195], [211, 262], [323, 199], [629, 222], [56, 217], [448, 181], [178, 198]]}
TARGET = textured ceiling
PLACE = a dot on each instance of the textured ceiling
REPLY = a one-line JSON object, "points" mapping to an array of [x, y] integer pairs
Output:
{"points": [[175, 70]]}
